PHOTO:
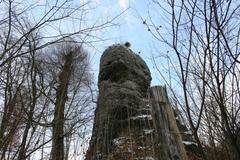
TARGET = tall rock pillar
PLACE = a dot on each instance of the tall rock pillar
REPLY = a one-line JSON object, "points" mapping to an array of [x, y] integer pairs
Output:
{"points": [[167, 137], [128, 113]]}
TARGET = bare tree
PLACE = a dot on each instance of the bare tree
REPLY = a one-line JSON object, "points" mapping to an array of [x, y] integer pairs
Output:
{"points": [[58, 121], [204, 62], [32, 87], [70, 106]]}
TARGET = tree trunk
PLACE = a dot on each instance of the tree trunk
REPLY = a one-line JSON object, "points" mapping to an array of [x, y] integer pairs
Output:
{"points": [[58, 121]]}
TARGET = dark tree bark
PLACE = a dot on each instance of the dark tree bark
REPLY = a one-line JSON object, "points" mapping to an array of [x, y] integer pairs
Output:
{"points": [[58, 121], [32, 104]]}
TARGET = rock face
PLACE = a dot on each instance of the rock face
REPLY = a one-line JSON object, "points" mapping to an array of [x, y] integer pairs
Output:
{"points": [[167, 136], [132, 122], [190, 144]]}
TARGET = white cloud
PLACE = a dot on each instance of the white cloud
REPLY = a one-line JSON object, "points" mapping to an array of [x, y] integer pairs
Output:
{"points": [[123, 4]]}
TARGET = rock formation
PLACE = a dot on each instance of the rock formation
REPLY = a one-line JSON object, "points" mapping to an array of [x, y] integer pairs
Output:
{"points": [[190, 144], [132, 121]]}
